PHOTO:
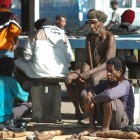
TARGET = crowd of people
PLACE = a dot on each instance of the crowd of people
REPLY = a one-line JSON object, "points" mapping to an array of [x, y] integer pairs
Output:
{"points": [[99, 87]]}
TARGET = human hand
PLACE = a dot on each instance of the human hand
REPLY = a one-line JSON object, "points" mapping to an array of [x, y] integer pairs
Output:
{"points": [[84, 76], [87, 102]]}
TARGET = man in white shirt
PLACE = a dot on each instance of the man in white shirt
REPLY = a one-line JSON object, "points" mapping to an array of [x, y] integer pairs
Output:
{"points": [[47, 52], [115, 19]]}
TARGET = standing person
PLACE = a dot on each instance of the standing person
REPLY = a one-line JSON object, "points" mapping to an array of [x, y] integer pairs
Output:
{"points": [[47, 53], [102, 46], [61, 21], [115, 98], [9, 29], [115, 19], [9, 90]]}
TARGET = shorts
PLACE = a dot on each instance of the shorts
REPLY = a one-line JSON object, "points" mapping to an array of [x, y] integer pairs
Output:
{"points": [[119, 117]]}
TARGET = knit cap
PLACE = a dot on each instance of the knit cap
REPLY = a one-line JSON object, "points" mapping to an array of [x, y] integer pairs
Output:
{"points": [[5, 3], [128, 16]]}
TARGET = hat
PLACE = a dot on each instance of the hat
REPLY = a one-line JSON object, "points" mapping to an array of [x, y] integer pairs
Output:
{"points": [[128, 16], [114, 2], [5, 3]]}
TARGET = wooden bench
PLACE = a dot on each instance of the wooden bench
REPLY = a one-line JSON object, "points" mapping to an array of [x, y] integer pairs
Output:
{"points": [[46, 98]]}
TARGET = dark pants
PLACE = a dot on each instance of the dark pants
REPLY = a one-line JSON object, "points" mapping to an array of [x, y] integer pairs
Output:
{"points": [[21, 111]]}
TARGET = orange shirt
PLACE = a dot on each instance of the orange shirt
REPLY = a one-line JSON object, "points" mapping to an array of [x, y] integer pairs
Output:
{"points": [[9, 29]]}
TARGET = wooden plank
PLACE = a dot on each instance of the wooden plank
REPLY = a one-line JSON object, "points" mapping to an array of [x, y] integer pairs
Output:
{"points": [[22, 78]]}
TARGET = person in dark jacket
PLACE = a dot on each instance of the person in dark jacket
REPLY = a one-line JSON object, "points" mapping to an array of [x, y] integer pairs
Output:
{"points": [[9, 29]]}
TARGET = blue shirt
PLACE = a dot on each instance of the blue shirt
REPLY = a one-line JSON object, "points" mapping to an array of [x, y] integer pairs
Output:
{"points": [[9, 89]]}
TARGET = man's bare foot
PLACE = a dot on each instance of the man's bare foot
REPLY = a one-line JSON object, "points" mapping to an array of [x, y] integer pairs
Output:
{"points": [[104, 129], [93, 134]]}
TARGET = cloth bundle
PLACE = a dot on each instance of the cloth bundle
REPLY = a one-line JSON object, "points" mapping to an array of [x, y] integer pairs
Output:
{"points": [[15, 125]]}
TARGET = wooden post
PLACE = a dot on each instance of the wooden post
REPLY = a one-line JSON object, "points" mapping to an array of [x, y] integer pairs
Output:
{"points": [[46, 102], [27, 15]]}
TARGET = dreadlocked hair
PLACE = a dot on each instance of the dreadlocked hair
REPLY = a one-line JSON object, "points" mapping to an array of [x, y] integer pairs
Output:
{"points": [[7, 66], [101, 16]]}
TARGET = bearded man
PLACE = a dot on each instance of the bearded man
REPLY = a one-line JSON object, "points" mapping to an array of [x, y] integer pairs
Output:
{"points": [[100, 46]]}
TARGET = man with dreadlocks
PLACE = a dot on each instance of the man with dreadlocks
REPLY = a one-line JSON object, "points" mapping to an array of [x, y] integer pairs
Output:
{"points": [[100, 46]]}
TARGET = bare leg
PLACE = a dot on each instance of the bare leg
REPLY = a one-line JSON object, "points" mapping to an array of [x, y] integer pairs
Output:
{"points": [[80, 87], [107, 114], [95, 78], [92, 127], [74, 88], [91, 115], [71, 90]]}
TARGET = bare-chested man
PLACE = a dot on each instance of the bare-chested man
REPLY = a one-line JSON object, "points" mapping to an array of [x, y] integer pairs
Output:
{"points": [[102, 45]]}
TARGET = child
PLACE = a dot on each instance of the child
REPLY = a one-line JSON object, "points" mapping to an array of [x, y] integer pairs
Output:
{"points": [[9, 90]]}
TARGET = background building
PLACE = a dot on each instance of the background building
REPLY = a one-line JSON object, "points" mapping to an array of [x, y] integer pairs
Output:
{"points": [[74, 10]]}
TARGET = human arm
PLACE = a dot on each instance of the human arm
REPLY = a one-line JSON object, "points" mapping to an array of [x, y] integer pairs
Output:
{"points": [[14, 30], [111, 52], [17, 91], [16, 43], [116, 92], [14, 27], [28, 48], [86, 98]]}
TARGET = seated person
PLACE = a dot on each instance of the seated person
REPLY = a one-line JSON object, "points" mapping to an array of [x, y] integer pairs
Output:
{"points": [[47, 53], [114, 98], [10, 90], [115, 18], [125, 26], [100, 46], [41, 22]]}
